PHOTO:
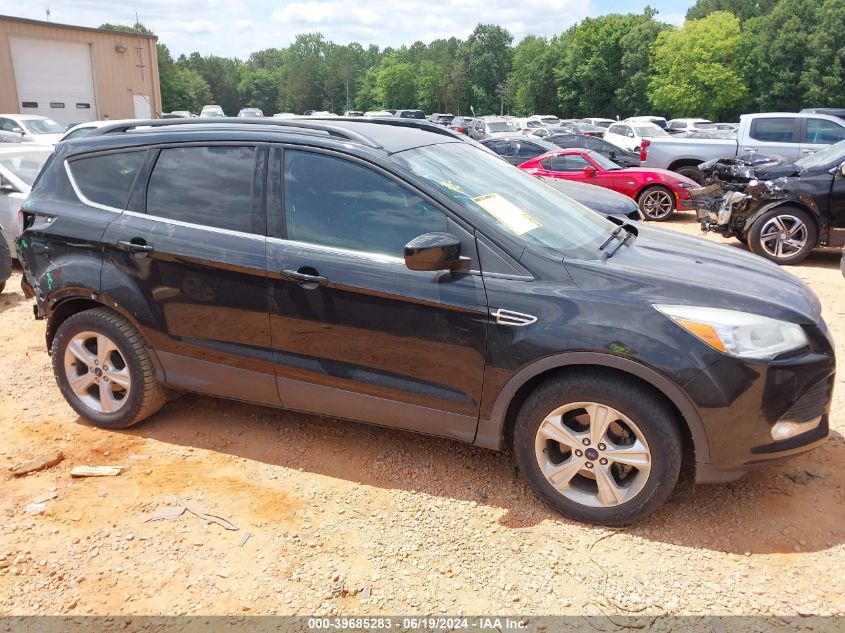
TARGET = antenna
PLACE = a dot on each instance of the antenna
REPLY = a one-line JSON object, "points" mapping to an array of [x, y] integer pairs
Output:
{"points": [[47, 11]]}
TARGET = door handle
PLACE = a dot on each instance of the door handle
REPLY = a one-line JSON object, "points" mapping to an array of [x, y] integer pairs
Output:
{"points": [[305, 278], [749, 150], [135, 246], [808, 151]]}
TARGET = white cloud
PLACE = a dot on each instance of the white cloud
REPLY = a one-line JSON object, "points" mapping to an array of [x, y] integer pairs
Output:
{"points": [[235, 28], [676, 19]]}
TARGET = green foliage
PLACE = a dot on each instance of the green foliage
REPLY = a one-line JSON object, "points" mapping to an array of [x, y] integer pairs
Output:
{"points": [[692, 71], [532, 77], [395, 86], [823, 77], [487, 56], [743, 9]]}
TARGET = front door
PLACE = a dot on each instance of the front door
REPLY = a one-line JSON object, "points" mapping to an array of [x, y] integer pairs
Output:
{"points": [[192, 245], [356, 334]]}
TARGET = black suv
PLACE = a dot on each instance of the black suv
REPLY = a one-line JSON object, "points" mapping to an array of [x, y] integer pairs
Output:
{"points": [[392, 273]]}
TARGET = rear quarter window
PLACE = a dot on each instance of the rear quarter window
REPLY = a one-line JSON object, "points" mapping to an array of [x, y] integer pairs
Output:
{"points": [[107, 178]]}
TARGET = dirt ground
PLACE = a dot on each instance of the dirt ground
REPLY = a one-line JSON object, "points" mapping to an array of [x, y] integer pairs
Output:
{"points": [[340, 518]]}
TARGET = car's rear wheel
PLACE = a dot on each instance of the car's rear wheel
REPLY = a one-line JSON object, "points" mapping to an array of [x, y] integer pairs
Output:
{"points": [[598, 449], [784, 235], [103, 369], [657, 203], [692, 172]]}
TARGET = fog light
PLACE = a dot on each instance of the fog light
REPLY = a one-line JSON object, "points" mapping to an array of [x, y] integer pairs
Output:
{"points": [[785, 430]]}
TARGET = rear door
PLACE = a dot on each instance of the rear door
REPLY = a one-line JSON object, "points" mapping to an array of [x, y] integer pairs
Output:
{"points": [[773, 136], [819, 133], [356, 334], [187, 259]]}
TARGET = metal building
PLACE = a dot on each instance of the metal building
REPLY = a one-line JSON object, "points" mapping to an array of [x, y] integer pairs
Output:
{"points": [[73, 74]]}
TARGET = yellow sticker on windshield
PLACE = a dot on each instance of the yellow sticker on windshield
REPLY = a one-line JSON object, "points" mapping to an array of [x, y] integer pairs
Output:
{"points": [[507, 213]]}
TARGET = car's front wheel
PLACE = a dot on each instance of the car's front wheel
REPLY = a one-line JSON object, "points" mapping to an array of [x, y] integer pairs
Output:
{"points": [[657, 203], [784, 235], [598, 449], [103, 369]]}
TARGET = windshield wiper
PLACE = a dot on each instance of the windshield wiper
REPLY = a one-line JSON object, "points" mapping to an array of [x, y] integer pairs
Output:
{"points": [[609, 250]]}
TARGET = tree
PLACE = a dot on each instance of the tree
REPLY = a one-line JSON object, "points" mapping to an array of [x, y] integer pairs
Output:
{"points": [[487, 56], [532, 77], [631, 96], [692, 69], [773, 53], [135, 28], [223, 78], [743, 9], [823, 78], [259, 88], [395, 86]]}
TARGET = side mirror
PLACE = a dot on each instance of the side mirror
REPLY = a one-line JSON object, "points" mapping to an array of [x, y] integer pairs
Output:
{"points": [[18, 130], [842, 169], [611, 155], [590, 171], [433, 251], [5, 185], [630, 135]]}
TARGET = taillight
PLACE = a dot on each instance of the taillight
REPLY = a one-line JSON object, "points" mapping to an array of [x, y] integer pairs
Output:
{"points": [[644, 150]]}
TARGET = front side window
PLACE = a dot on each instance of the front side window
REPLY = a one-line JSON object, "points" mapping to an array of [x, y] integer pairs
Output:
{"points": [[107, 178], [773, 130], [492, 192], [823, 132], [335, 202], [210, 186], [569, 162]]}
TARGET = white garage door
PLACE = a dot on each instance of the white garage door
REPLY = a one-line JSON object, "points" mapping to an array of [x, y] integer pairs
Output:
{"points": [[54, 79]]}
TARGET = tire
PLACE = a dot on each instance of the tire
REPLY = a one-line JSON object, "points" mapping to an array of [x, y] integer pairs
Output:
{"points": [[692, 172], [657, 203], [742, 237], [784, 235], [106, 359], [653, 433], [2, 286]]}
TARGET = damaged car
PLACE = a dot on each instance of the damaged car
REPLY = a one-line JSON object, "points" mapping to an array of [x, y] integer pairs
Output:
{"points": [[781, 210]]}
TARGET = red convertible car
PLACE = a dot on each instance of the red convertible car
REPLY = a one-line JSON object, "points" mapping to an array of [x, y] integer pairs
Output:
{"points": [[659, 192]]}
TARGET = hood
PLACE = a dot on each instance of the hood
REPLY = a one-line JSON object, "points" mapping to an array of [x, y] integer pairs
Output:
{"points": [[748, 167], [599, 199], [664, 267]]}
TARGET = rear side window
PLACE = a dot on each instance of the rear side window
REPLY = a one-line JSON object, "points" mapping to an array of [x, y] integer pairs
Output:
{"points": [[335, 202], [775, 130], [529, 150], [824, 132], [107, 179], [210, 186]]}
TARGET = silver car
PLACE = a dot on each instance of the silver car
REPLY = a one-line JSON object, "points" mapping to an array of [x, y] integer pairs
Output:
{"points": [[19, 166], [486, 127]]}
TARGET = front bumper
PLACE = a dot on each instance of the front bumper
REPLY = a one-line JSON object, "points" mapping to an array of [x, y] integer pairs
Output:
{"points": [[741, 402]]}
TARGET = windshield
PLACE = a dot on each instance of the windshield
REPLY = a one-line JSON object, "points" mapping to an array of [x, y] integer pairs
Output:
{"points": [[831, 155], [703, 125], [519, 204], [605, 163], [500, 126], [649, 131], [42, 126], [25, 165]]}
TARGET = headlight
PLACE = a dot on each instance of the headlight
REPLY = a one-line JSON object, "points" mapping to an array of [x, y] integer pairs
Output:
{"points": [[737, 333]]}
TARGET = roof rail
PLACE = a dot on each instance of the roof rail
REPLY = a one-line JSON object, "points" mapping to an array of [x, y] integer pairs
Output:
{"points": [[295, 124], [331, 126]]}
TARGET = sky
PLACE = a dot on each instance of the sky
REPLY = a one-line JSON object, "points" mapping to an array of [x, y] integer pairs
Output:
{"points": [[235, 28]]}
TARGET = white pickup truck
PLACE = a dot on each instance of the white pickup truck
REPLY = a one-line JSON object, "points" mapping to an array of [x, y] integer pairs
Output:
{"points": [[790, 135]]}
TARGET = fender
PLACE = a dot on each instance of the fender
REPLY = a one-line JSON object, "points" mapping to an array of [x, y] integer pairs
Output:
{"points": [[779, 203], [491, 432]]}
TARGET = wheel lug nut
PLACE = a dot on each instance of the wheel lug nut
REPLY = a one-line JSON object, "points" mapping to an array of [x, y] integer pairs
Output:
{"points": [[578, 453], [589, 464], [603, 461], [602, 447], [585, 442]]}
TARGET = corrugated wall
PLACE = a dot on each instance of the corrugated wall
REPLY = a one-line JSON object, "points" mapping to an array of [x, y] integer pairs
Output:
{"points": [[117, 75]]}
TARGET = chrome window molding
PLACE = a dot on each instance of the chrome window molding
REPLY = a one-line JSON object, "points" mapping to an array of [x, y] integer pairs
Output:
{"points": [[82, 197], [192, 225]]}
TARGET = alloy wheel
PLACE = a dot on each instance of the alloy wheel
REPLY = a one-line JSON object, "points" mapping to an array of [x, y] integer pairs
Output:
{"points": [[592, 454], [783, 236], [657, 204], [97, 372]]}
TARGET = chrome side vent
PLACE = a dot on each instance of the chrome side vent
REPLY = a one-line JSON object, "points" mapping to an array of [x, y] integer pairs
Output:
{"points": [[509, 317]]}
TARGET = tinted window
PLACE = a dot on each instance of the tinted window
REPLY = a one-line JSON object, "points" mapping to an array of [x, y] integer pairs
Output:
{"points": [[617, 129], [529, 150], [204, 185], [83, 131], [676, 125], [335, 202], [773, 130], [593, 143], [502, 148], [107, 179], [826, 132], [564, 140]]}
